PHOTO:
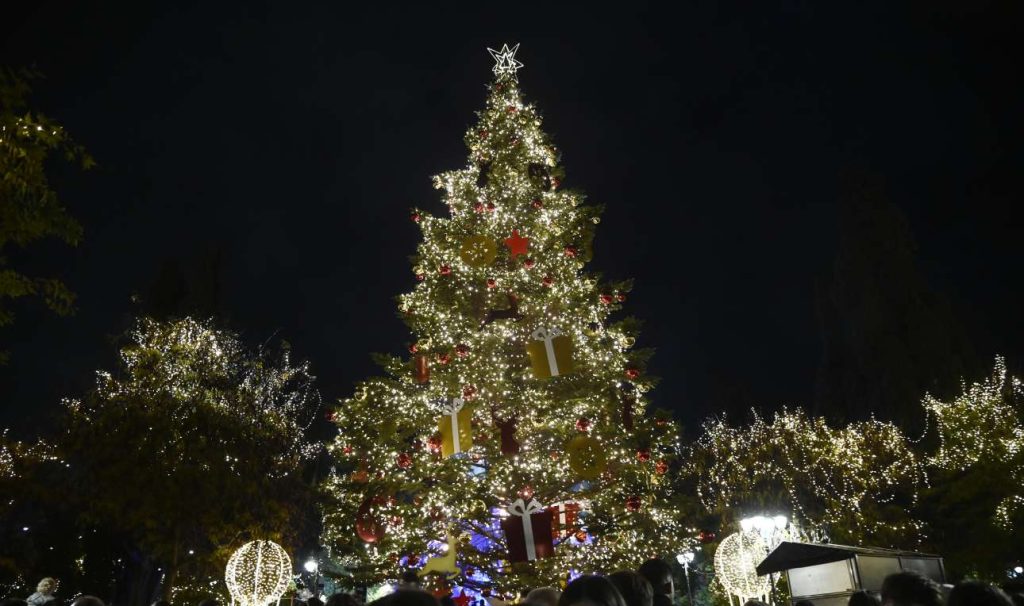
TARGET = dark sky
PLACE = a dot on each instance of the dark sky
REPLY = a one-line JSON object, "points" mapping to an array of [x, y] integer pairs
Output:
{"points": [[293, 139]]}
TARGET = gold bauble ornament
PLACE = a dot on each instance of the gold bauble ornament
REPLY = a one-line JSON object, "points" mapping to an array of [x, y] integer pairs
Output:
{"points": [[478, 251]]}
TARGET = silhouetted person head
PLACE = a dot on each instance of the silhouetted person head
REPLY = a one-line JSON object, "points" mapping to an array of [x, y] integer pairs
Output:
{"points": [[857, 598], [407, 597], [659, 574], [409, 580], [909, 588], [977, 593], [810, 603], [589, 590], [342, 599], [543, 596], [314, 601], [87, 600], [635, 589]]}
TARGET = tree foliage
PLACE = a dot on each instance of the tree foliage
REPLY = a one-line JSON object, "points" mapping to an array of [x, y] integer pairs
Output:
{"points": [[30, 209], [192, 446]]}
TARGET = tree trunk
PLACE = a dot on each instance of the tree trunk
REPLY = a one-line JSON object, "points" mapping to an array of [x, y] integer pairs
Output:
{"points": [[171, 577]]}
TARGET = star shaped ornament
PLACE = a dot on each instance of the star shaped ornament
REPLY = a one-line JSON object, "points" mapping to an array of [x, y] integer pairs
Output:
{"points": [[516, 244], [505, 60]]}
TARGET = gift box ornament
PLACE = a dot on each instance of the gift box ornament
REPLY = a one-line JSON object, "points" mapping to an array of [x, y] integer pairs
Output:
{"points": [[550, 353], [456, 435], [563, 519], [527, 531]]}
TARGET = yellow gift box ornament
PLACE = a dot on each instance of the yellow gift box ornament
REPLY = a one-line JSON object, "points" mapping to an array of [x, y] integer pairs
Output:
{"points": [[456, 435], [550, 353]]}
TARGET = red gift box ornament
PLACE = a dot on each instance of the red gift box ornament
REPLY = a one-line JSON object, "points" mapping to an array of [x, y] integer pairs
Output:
{"points": [[528, 531], [563, 519]]}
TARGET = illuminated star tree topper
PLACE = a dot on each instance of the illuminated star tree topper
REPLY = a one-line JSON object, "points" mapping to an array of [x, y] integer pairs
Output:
{"points": [[505, 60]]}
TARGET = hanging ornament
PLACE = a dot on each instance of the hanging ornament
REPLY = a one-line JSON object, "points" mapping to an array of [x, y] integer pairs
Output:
{"points": [[632, 373], [607, 299], [581, 536], [526, 492], [537, 203], [478, 207], [483, 133], [707, 536], [517, 245], [468, 392], [528, 263], [478, 251], [462, 350], [443, 359], [444, 270], [583, 424], [633, 504], [443, 564], [507, 429], [414, 348], [491, 207], [643, 455], [621, 298], [587, 458], [434, 443], [404, 460], [368, 527], [420, 277], [548, 281], [550, 353], [563, 518], [421, 371], [416, 217], [454, 427], [661, 467], [527, 531]]}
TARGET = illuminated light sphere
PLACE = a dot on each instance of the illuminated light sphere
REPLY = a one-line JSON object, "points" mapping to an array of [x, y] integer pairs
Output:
{"points": [[735, 565], [258, 573]]}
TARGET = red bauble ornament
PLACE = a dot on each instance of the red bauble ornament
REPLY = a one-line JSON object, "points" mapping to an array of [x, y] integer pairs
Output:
{"points": [[633, 504], [468, 392], [632, 373], [643, 455], [620, 297], [331, 415], [368, 527], [404, 460], [607, 299], [537, 203], [478, 207], [420, 277], [547, 281], [443, 359], [554, 454], [661, 467], [444, 270], [462, 350], [491, 207], [434, 443], [707, 536], [483, 133], [491, 282], [526, 492], [583, 424], [555, 182], [397, 520], [414, 348], [528, 264], [511, 109], [416, 217], [570, 251], [347, 449]]}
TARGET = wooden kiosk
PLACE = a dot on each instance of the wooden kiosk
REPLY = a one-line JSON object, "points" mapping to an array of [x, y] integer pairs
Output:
{"points": [[828, 574]]}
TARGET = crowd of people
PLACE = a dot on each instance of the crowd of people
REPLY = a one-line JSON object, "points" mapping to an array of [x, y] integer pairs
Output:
{"points": [[650, 585]]}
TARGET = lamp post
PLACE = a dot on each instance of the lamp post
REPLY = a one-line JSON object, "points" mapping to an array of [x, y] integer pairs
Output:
{"points": [[313, 568], [772, 530], [685, 559]]}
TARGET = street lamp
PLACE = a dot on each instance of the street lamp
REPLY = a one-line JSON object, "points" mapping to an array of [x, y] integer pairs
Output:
{"points": [[685, 559], [310, 566], [313, 568]]}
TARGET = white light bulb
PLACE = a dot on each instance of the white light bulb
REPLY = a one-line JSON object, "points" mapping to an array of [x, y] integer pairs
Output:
{"points": [[780, 522], [1019, 569], [310, 566]]}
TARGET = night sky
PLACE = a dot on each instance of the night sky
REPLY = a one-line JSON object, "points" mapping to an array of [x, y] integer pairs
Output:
{"points": [[288, 142]]}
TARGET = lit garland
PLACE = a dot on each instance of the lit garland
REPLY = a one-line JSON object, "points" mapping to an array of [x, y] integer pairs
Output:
{"points": [[856, 480], [736, 560], [509, 187], [258, 573], [984, 425]]}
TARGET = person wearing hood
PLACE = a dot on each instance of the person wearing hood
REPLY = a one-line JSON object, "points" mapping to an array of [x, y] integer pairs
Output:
{"points": [[44, 593]]}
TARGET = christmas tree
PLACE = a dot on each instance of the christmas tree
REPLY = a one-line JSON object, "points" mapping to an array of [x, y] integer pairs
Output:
{"points": [[512, 448]]}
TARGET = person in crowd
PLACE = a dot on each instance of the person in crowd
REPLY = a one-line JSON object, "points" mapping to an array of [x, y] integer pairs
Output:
{"points": [[589, 590], [87, 600], [977, 593], [342, 599], [406, 597], [635, 589], [806, 603], [909, 588], [314, 601], [44, 592], [858, 598], [543, 596], [659, 575], [409, 580]]}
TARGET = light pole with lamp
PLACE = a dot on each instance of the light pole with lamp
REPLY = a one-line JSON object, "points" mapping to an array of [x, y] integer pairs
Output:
{"points": [[685, 559], [772, 531], [313, 568]]}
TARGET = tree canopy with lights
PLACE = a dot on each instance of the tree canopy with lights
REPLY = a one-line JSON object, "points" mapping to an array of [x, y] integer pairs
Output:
{"points": [[195, 444], [515, 432]]}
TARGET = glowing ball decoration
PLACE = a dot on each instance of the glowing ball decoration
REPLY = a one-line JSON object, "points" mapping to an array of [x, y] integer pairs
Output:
{"points": [[258, 573], [735, 566]]}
